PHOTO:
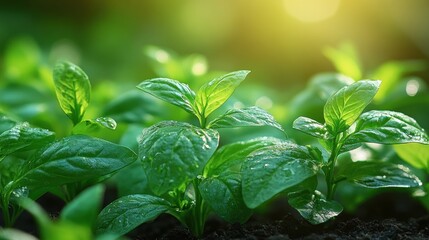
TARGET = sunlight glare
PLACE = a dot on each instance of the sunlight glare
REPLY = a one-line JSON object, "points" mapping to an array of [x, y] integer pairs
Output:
{"points": [[311, 10]]}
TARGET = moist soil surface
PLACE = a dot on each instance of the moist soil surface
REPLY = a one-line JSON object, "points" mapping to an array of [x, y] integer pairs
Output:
{"points": [[387, 216]]}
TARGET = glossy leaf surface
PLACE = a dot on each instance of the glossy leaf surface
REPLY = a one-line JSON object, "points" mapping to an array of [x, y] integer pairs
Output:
{"points": [[23, 137], [215, 93], [73, 90], [126, 213], [72, 159], [272, 170], [312, 127], [314, 207], [372, 174], [387, 127], [345, 106], [246, 117], [171, 91], [173, 153]]}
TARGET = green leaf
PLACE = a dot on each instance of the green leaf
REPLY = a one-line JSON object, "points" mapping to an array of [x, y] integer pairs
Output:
{"points": [[225, 198], [387, 127], [173, 153], [215, 93], [227, 160], [344, 107], [91, 126], [312, 127], [415, 154], [221, 188], [73, 90], [73, 159], [314, 207], [23, 137], [345, 59], [372, 174], [5, 123], [171, 91], [272, 170], [83, 210], [126, 213], [246, 117]]}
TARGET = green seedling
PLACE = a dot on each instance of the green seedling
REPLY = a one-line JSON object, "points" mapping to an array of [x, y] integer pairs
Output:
{"points": [[187, 175], [32, 163], [293, 169]]}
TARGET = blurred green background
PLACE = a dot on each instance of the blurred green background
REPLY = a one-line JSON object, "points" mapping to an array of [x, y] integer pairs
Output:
{"points": [[281, 41]]}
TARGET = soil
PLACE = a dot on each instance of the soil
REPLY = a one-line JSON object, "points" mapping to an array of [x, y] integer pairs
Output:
{"points": [[387, 216]]}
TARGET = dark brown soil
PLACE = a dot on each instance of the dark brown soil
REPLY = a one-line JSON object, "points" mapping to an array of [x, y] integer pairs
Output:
{"points": [[390, 216]]}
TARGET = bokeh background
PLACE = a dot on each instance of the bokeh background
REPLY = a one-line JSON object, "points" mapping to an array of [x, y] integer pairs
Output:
{"points": [[281, 41]]}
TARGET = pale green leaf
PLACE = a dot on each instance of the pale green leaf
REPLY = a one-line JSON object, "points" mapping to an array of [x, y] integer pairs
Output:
{"points": [[345, 106], [415, 154], [73, 90], [215, 93]]}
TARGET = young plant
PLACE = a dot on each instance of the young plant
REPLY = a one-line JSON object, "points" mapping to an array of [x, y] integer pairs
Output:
{"points": [[75, 221], [293, 169], [188, 176], [64, 167]]}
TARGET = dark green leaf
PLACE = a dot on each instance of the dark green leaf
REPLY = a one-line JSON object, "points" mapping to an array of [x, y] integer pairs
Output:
{"points": [[225, 198], [126, 213], [246, 117], [344, 107], [272, 170], [312, 127], [83, 210], [23, 137], [173, 153], [73, 90], [415, 154], [171, 91], [372, 174], [314, 207], [215, 93], [227, 160], [387, 127], [74, 159]]}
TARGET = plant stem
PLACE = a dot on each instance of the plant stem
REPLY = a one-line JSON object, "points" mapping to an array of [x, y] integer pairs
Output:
{"points": [[330, 176]]}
